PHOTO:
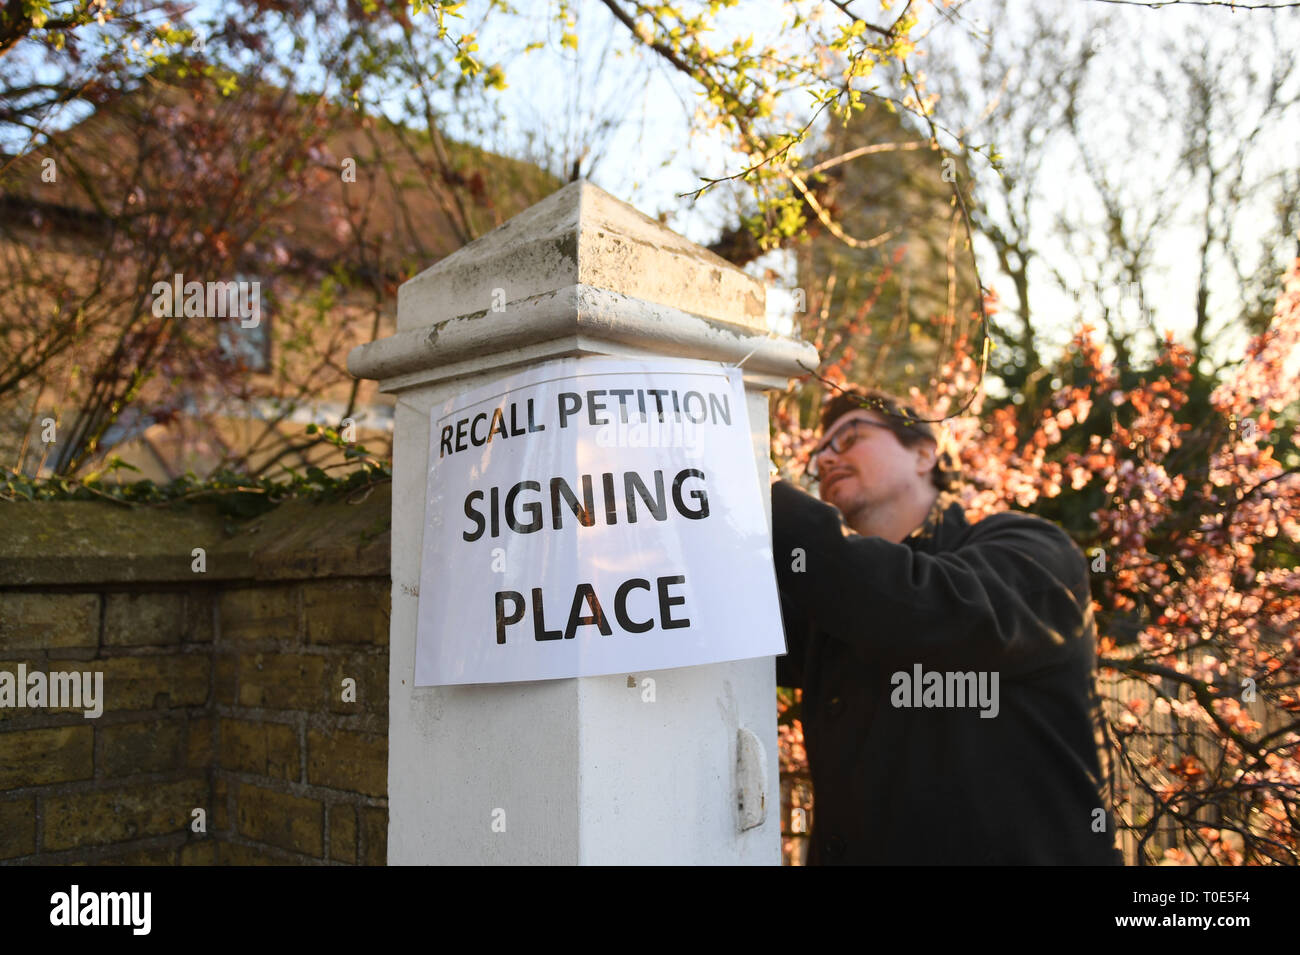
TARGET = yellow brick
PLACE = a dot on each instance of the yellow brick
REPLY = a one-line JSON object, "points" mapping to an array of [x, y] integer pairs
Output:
{"points": [[279, 819], [374, 835], [219, 818], [342, 759], [371, 675], [143, 620], [343, 834], [267, 749], [18, 827], [150, 747], [45, 621], [119, 815], [227, 678], [283, 681], [9, 713], [37, 757], [252, 614], [157, 855], [147, 683], [199, 615], [198, 744], [347, 611], [236, 855], [199, 853]]}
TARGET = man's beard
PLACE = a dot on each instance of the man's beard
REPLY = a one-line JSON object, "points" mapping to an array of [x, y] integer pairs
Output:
{"points": [[866, 505], [856, 506]]}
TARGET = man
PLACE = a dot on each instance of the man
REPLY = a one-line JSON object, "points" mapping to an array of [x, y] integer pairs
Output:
{"points": [[948, 669]]}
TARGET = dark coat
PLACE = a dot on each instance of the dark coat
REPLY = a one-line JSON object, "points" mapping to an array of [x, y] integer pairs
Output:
{"points": [[896, 784]]}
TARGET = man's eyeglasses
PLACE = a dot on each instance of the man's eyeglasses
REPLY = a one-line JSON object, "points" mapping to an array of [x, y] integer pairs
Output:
{"points": [[841, 440]]}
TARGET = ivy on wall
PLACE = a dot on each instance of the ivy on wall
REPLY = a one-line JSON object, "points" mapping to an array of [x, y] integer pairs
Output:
{"points": [[236, 495]]}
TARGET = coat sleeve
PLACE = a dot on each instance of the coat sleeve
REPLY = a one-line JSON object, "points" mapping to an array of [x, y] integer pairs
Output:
{"points": [[1014, 598]]}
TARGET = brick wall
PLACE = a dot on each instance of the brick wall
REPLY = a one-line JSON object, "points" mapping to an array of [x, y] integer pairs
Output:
{"points": [[253, 688]]}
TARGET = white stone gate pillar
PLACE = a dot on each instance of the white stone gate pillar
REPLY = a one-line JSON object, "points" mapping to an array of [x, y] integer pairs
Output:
{"points": [[579, 771]]}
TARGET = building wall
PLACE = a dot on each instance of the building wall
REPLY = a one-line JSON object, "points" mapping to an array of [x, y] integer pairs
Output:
{"points": [[224, 687]]}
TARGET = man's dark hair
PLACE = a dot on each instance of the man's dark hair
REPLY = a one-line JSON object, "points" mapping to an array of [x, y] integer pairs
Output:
{"points": [[902, 419]]}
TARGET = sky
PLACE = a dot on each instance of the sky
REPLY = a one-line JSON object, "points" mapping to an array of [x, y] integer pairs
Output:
{"points": [[635, 113], [651, 157]]}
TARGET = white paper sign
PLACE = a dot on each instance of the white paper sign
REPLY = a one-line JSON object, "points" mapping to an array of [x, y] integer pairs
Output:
{"points": [[593, 516]]}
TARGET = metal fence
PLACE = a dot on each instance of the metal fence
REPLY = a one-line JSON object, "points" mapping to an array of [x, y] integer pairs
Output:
{"points": [[1161, 760]]}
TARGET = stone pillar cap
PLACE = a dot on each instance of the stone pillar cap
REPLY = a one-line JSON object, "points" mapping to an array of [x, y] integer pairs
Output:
{"points": [[582, 271]]}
